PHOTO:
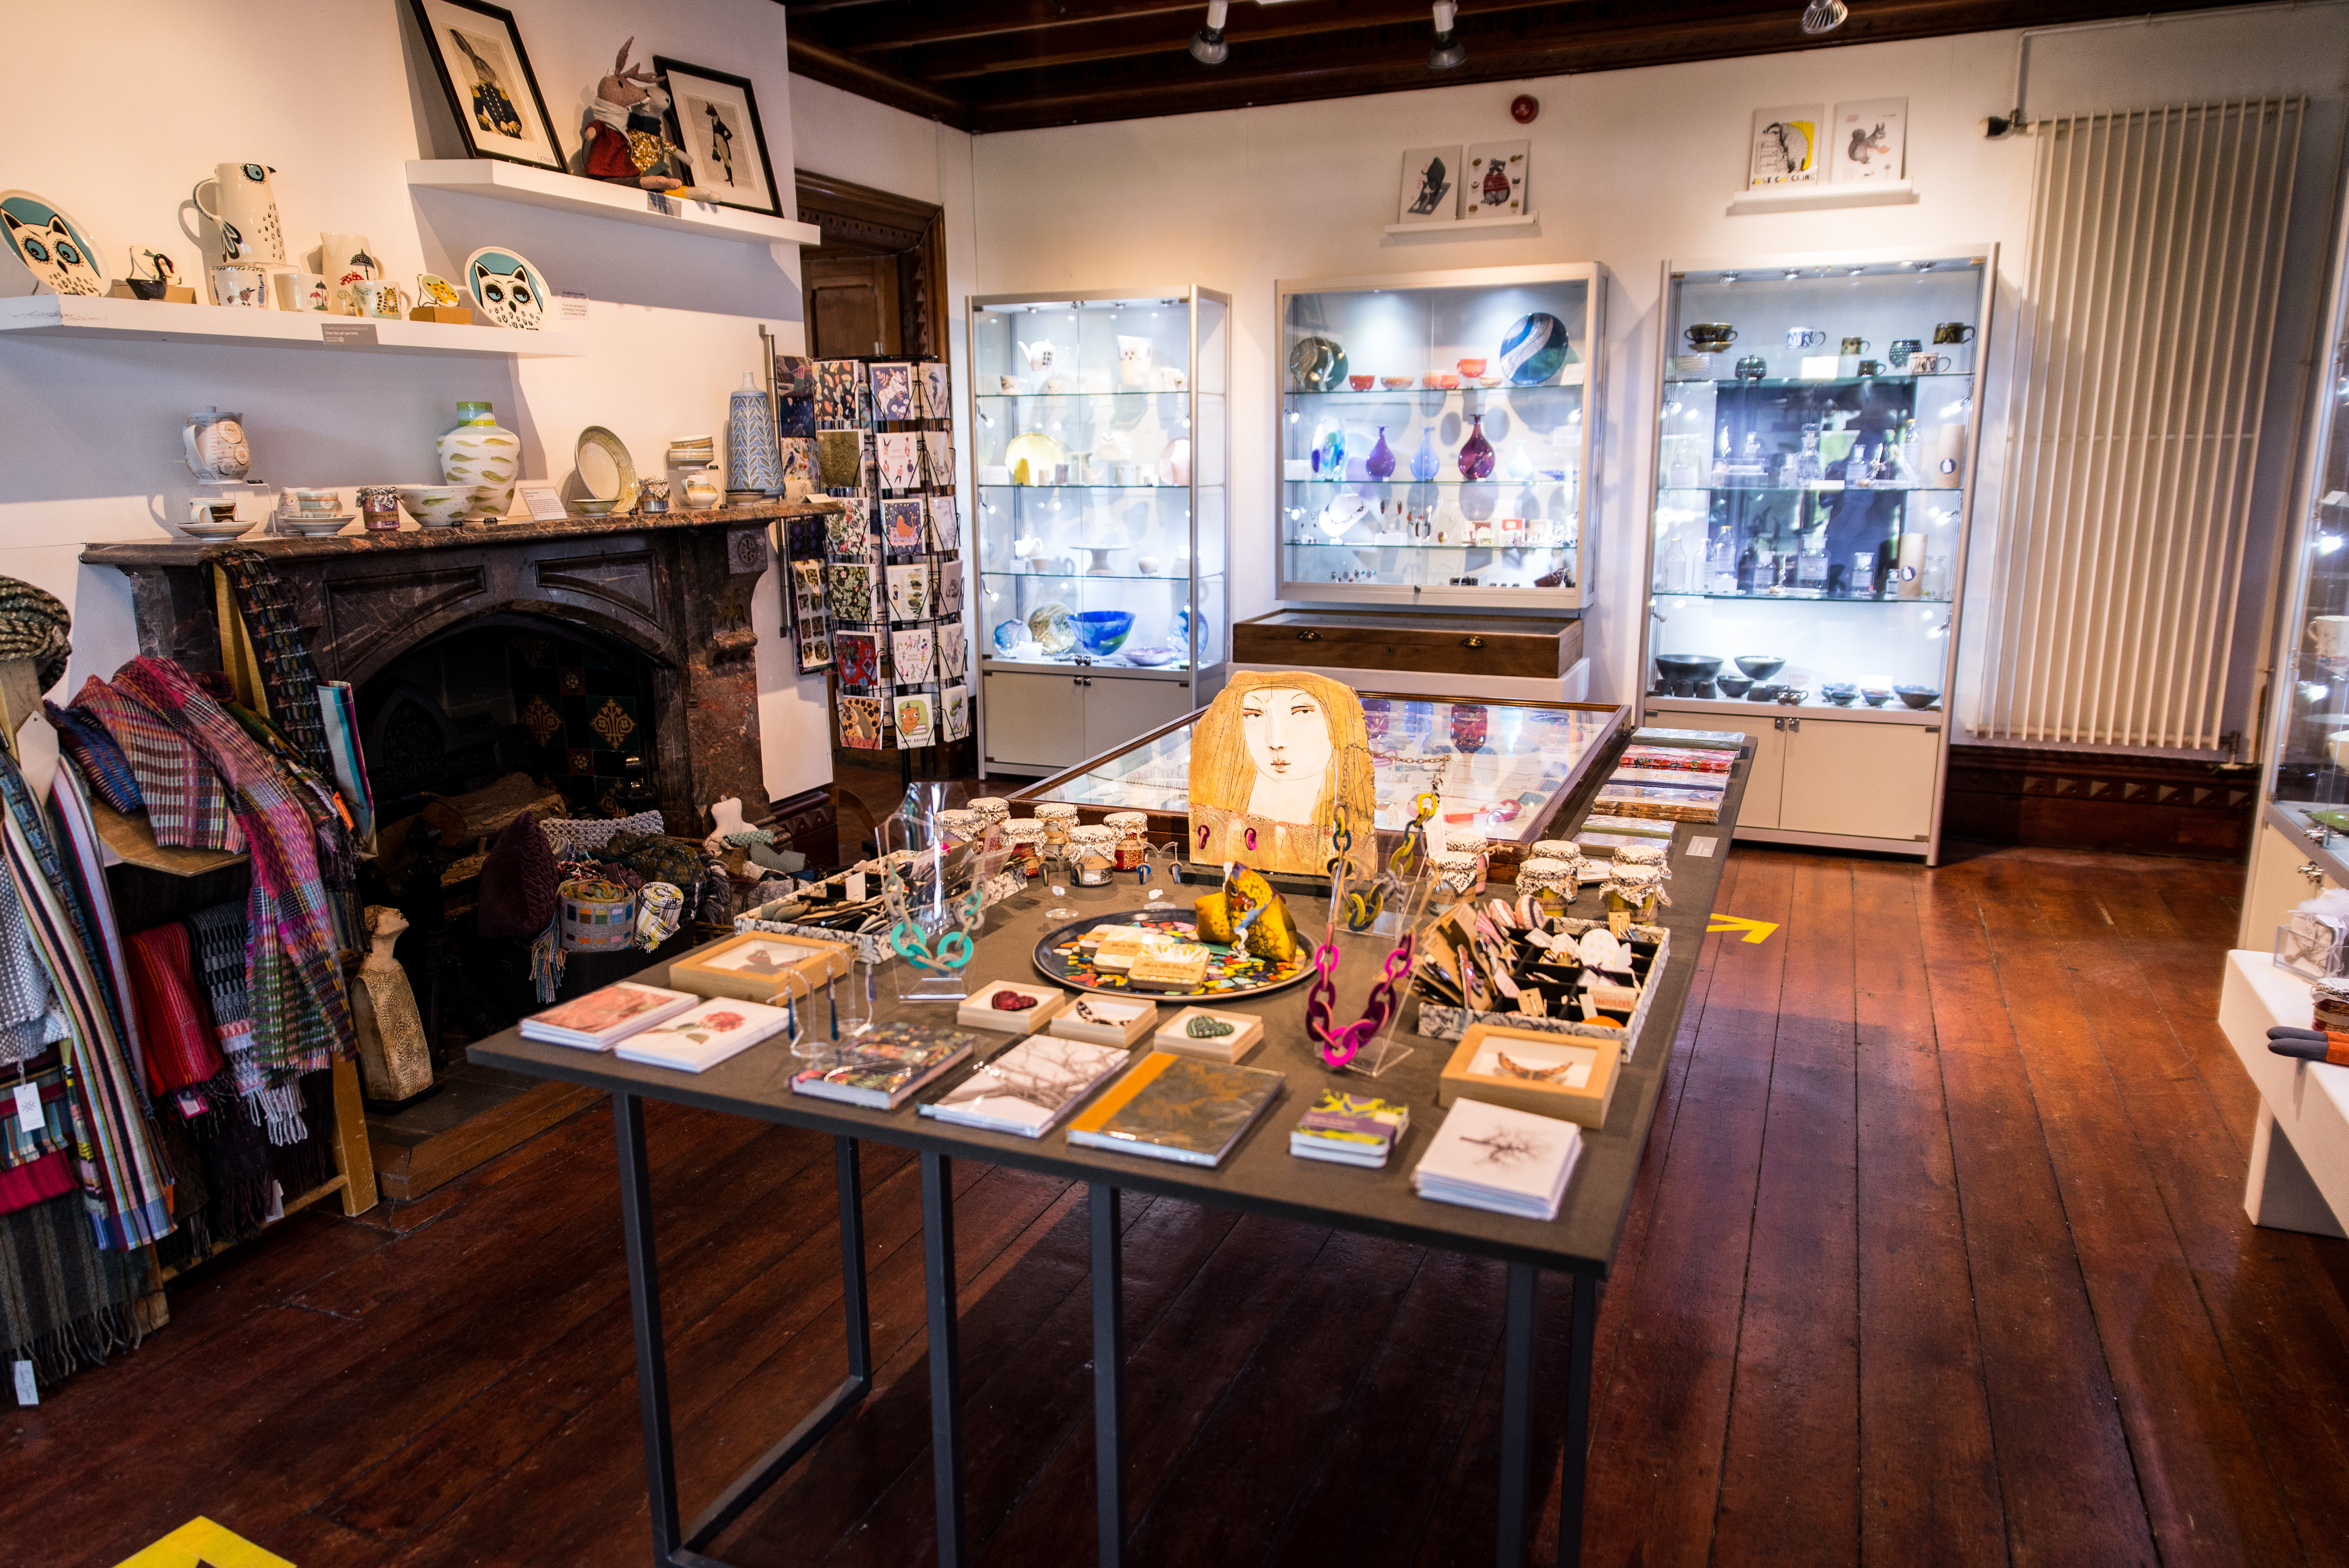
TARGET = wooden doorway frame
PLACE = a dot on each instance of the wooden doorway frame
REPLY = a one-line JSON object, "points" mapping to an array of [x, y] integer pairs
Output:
{"points": [[858, 221]]}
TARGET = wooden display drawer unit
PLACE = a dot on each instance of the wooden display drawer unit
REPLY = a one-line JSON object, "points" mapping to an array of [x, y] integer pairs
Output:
{"points": [[1459, 655]]}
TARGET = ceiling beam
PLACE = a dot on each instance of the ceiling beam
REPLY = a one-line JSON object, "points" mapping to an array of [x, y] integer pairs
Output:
{"points": [[852, 25], [821, 62]]}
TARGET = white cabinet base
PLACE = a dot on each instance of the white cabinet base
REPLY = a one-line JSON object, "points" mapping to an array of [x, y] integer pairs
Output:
{"points": [[1866, 783], [1037, 722], [2299, 1176]]}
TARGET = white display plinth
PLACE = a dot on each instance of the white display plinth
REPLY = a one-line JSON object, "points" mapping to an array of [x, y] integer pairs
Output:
{"points": [[2299, 1178]]}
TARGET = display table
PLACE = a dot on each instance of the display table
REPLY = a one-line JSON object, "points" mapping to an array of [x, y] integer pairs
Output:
{"points": [[2299, 1178], [1259, 1177]]}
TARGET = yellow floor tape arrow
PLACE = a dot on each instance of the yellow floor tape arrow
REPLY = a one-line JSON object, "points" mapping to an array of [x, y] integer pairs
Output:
{"points": [[1754, 930], [200, 1541]]}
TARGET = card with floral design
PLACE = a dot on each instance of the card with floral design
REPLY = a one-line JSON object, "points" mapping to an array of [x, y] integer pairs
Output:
{"points": [[909, 593], [852, 592], [953, 651], [859, 657], [945, 525]]}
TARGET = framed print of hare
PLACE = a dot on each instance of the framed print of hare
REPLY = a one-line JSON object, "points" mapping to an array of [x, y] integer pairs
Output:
{"points": [[492, 89], [717, 118]]}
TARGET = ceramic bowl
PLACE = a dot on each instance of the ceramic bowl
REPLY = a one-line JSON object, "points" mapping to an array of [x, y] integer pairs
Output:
{"points": [[1917, 696], [1761, 667], [308, 527], [1841, 699], [434, 506], [590, 506], [1154, 656], [1763, 692], [745, 497], [1103, 632], [1395, 383], [1687, 667], [1733, 686], [1875, 697]]}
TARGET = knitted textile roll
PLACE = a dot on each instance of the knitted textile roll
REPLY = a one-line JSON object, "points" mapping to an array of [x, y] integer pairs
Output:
{"points": [[266, 606], [569, 838], [82, 737], [183, 1051], [186, 805], [518, 882], [33, 624]]}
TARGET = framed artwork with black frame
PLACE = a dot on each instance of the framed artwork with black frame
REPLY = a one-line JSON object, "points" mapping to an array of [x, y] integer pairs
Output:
{"points": [[716, 119], [492, 89]]}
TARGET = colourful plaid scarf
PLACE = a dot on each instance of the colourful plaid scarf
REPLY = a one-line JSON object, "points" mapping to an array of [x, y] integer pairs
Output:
{"points": [[185, 803], [301, 1015]]}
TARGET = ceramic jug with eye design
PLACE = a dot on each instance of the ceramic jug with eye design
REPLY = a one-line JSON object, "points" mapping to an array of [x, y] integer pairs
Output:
{"points": [[245, 207]]}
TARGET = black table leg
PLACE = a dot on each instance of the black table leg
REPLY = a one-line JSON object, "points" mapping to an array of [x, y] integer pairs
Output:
{"points": [[946, 1414], [676, 1547], [1109, 1372], [1517, 1414], [1578, 1421]]}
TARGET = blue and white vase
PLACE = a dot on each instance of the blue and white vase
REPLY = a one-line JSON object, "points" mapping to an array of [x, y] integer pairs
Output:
{"points": [[753, 459]]}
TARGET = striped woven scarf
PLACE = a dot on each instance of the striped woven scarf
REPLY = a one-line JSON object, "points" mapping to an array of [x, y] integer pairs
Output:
{"points": [[123, 1177], [82, 736], [301, 1016], [185, 803], [266, 607]]}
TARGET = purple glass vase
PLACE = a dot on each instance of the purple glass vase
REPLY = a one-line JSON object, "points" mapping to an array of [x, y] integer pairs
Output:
{"points": [[1476, 452], [1379, 464]]}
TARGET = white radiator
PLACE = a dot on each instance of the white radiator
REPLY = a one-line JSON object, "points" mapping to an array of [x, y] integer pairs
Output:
{"points": [[2139, 371]]}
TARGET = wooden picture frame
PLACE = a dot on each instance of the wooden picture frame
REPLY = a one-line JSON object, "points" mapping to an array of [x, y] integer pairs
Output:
{"points": [[696, 95], [724, 969], [490, 89], [979, 1011], [1583, 1101]]}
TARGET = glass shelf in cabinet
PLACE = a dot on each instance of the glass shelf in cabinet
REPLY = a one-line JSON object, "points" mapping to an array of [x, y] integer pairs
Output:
{"points": [[1128, 394], [1775, 383], [1008, 485], [1835, 487], [1349, 393], [1399, 480], [1801, 596], [1019, 575], [1402, 544]]}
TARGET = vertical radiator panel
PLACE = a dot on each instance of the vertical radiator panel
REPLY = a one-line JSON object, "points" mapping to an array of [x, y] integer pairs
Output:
{"points": [[2140, 366]]}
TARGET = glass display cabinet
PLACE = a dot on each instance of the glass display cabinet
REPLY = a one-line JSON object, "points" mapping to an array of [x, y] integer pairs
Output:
{"points": [[1435, 436], [1816, 432], [1504, 769], [1099, 448]]}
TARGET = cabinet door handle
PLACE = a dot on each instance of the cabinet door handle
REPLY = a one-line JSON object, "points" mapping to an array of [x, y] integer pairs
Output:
{"points": [[1309, 635], [1793, 723], [1778, 723], [1471, 642]]}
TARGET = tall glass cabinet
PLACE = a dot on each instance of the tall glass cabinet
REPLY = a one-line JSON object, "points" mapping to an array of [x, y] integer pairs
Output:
{"points": [[1816, 430], [1435, 443], [1100, 446]]}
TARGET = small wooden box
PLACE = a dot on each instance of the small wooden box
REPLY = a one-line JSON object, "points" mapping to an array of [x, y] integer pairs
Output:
{"points": [[979, 1011], [451, 314], [760, 966], [1587, 1072], [1105, 1020], [1539, 647], [1244, 1042]]}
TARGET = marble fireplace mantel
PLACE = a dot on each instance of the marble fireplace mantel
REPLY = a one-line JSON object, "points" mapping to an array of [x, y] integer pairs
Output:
{"points": [[674, 588]]}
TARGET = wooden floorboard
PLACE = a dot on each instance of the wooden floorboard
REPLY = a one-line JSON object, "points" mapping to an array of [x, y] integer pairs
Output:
{"points": [[1936, 1255]]}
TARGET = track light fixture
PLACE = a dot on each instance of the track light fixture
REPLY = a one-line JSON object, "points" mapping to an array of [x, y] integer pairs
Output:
{"points": [[1824, 15], [1207, 44], [1445, 53]]}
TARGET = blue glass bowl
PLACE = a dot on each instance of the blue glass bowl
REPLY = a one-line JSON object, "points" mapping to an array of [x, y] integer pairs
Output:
{"points": [[1103, 632]]}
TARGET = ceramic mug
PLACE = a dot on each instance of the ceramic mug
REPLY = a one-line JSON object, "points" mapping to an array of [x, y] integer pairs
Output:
{"points": [[385, 301], [1953, 331], [1805, 337], [322, 502], [1902, 348], [1010, 385], [346, 259], [1928, 364], [1871, 367], [2330, 635], [302, 291], [1753, 367], [203, 509], [1855, 345], [652, 495], [246, 211], [1711, 336], [242, 288]]}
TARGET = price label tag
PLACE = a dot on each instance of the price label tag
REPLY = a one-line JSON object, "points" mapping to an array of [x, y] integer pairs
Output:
{"points": [[27, 1392], [571, 305], [348, 333], [857, 887], [28, 1107], [276, 1210], [1702, 848]]}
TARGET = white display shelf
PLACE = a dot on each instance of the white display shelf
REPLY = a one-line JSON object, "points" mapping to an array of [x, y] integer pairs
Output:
{"points": [[154, 321], [1892, 712], [501, 181], [1465, 225], [1814, 198]]}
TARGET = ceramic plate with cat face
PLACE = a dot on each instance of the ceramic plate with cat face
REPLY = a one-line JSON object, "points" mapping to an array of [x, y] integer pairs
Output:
{"points": [[55, 248], [506, 288]]}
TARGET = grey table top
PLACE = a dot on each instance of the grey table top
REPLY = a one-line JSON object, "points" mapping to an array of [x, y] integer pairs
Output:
{"points": [[1260, 1175]]}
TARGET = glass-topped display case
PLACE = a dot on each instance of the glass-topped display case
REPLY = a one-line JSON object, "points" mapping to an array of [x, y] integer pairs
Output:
{"points": [[1503, 769], [1816, 430], [1100, 443], [1435, 436]]}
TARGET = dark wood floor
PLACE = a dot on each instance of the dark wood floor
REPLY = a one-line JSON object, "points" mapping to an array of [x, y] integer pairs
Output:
{"points": [[1938, 1255]]}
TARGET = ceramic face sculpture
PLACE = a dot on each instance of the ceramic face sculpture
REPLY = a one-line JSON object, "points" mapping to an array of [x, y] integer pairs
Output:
{"points": [[216, 448]]}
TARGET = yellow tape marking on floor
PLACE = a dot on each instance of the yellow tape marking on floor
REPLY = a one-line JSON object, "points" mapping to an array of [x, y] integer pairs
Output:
{"points": [[202, 1541], [1754, 930]]}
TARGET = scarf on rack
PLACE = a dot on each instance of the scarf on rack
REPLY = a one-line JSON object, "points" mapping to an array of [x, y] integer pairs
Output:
{"points": [[124, 1181], [21, 1144], [334, 843], [186, 805], [82, 737], [77, 828], [30, 1019], [219, 944], [280, 657], [182, 1049], [301, 1015], [63, 1303], [33, 625]]}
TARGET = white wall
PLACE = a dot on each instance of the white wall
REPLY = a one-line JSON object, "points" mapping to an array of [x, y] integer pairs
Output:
{"points": [[1630, 168], [338, 98]]}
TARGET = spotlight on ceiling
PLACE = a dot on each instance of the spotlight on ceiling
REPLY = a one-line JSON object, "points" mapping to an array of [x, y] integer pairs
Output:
{"points": [[1207, 45], [1824, 15], [1445, 53]]}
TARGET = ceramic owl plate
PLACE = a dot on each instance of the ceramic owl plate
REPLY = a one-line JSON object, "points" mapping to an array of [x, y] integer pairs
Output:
{"points": [[507, 289], [58, 251]]}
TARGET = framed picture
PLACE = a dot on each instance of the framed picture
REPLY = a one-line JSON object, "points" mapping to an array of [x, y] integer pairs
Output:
{"points": [[495, 97], [757, 967], [1570, 1077], [1494, 183], [1785, 147], [1430, 185], [1870, 143], [716, 119]]}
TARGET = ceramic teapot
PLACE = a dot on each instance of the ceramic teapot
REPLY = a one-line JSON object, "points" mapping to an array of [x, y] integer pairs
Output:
{"points": [[245, 207], [216, 448], [1041, 354]]}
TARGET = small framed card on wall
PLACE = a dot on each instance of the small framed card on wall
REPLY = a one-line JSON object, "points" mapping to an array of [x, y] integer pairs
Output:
{"points": [[717, 121], [1869, 144], [491, 87], [1430, 185], [1785, 147]]}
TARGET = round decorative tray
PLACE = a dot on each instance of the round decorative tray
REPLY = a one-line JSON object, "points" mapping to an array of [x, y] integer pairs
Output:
{"points": [[1230, 974]]}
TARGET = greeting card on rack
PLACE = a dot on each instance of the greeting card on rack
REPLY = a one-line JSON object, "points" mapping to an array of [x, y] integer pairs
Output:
{"points": [[909, 656], [892, 392], [914, 721], [852, 592], [953, 652], [799, 460], [794, 376], [900, 525], [937, 459], [848, 530], [840, 458], [909, 593], [862, 721], [950, 588], [839, 392], [859, 654], [934, 393], [900, 453], [945, 525], [954, 713]]}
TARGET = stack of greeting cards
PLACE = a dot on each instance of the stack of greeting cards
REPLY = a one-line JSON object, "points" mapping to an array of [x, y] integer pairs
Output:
{"points": [[601, 1020], [1030, 1088], [1349, 1129], [700, 1037], [1509, 1161]]}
